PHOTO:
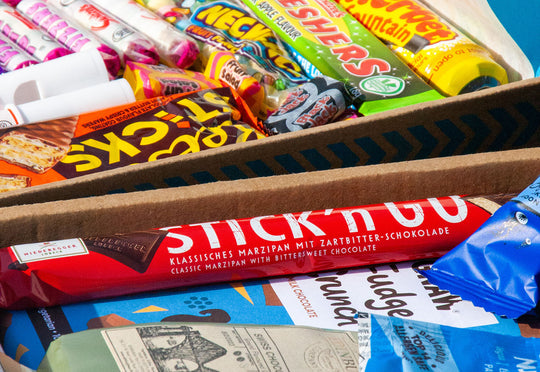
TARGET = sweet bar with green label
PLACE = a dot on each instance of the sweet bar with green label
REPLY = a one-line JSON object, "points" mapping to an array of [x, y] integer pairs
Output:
{"points": [[340, 47]]}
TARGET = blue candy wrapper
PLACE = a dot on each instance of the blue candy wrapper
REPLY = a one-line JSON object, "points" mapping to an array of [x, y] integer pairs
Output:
{"points": [[404, 345], [498, 266]]}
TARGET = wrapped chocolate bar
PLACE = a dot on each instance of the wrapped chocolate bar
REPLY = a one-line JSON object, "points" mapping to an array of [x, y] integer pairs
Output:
{"points": [[404, 345], [49, 273], [28, 36], [498, 267], [135, 133], [128, 43], [175, 48], [68, 33]]}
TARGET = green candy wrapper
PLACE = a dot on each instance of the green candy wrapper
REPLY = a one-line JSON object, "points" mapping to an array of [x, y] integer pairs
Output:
{"points": [[340, 47]]}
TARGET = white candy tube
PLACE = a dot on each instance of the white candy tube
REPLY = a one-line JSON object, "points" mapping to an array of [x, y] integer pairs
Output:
{"points": [[89, 99], [61, 75]]}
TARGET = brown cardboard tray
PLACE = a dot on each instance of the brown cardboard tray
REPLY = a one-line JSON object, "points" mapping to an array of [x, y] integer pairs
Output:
{"points": [[486, 173], [495, 119]]}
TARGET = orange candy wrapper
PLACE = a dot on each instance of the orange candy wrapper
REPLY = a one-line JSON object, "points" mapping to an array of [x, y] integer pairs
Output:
{"points": [[139, 132]]}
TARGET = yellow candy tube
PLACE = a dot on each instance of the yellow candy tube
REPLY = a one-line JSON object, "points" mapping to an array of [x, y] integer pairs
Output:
{"points": [[223, 66], [448, 60]]}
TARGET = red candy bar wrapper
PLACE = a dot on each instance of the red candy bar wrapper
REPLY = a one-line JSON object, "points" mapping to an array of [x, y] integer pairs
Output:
{"points": [[71, 270]]}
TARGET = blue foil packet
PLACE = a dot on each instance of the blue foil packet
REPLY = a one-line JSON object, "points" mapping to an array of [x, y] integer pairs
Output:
{"points": [[498, 266], [404, 345]]}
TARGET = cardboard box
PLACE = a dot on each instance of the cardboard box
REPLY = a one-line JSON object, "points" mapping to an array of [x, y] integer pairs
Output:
{"points": [[495, 119], [485, 173]]}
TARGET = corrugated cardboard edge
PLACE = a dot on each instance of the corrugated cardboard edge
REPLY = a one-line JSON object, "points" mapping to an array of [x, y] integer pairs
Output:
{"points": [[482, 104], [478, 174]]}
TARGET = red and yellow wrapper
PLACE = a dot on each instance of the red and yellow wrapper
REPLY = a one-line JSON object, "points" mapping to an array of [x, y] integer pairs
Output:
{"points": [[223, 66], [148, 81], [447, 59]]}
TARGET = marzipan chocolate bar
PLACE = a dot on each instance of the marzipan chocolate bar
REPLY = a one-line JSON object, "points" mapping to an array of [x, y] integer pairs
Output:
{"points": [[72, 270]]}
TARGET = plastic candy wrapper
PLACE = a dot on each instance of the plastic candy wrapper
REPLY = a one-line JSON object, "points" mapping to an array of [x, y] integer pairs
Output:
{"points": [[498, 267], [149, 81], [201, 347], [444, 56], [71, 270], [68, 33], [318, 102], [167, 9], [28, 36], [341, 48], [135, 133], [404, 345], [519, 19], [12, 2], [478, 19], [224, 67], [47, 79], [174, 47], [75, 102], [229, 26], [12, 57], [128, 43]]}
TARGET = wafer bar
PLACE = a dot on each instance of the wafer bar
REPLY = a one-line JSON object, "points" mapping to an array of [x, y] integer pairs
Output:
{"points": [[38, 147], [10, 182]]}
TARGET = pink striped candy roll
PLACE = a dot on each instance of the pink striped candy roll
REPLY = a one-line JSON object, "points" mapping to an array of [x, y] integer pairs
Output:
{"points": [[175, 48], [28, 36], [130, 44], [68, 33], [12, 57]]}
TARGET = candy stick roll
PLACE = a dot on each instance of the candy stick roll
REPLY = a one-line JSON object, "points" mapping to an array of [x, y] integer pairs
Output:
{"points": [[175, 48], [12, 57], [51, 78], [68, 33], [28, 36], [129, 44]]}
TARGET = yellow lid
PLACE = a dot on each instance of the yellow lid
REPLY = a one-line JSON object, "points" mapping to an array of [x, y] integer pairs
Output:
{"points": [[466, 73]]}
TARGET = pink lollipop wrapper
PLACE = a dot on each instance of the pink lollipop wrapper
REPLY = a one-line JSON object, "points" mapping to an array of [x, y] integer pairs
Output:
{"points": [[184, 54], [140, 50], [56, 53]]}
